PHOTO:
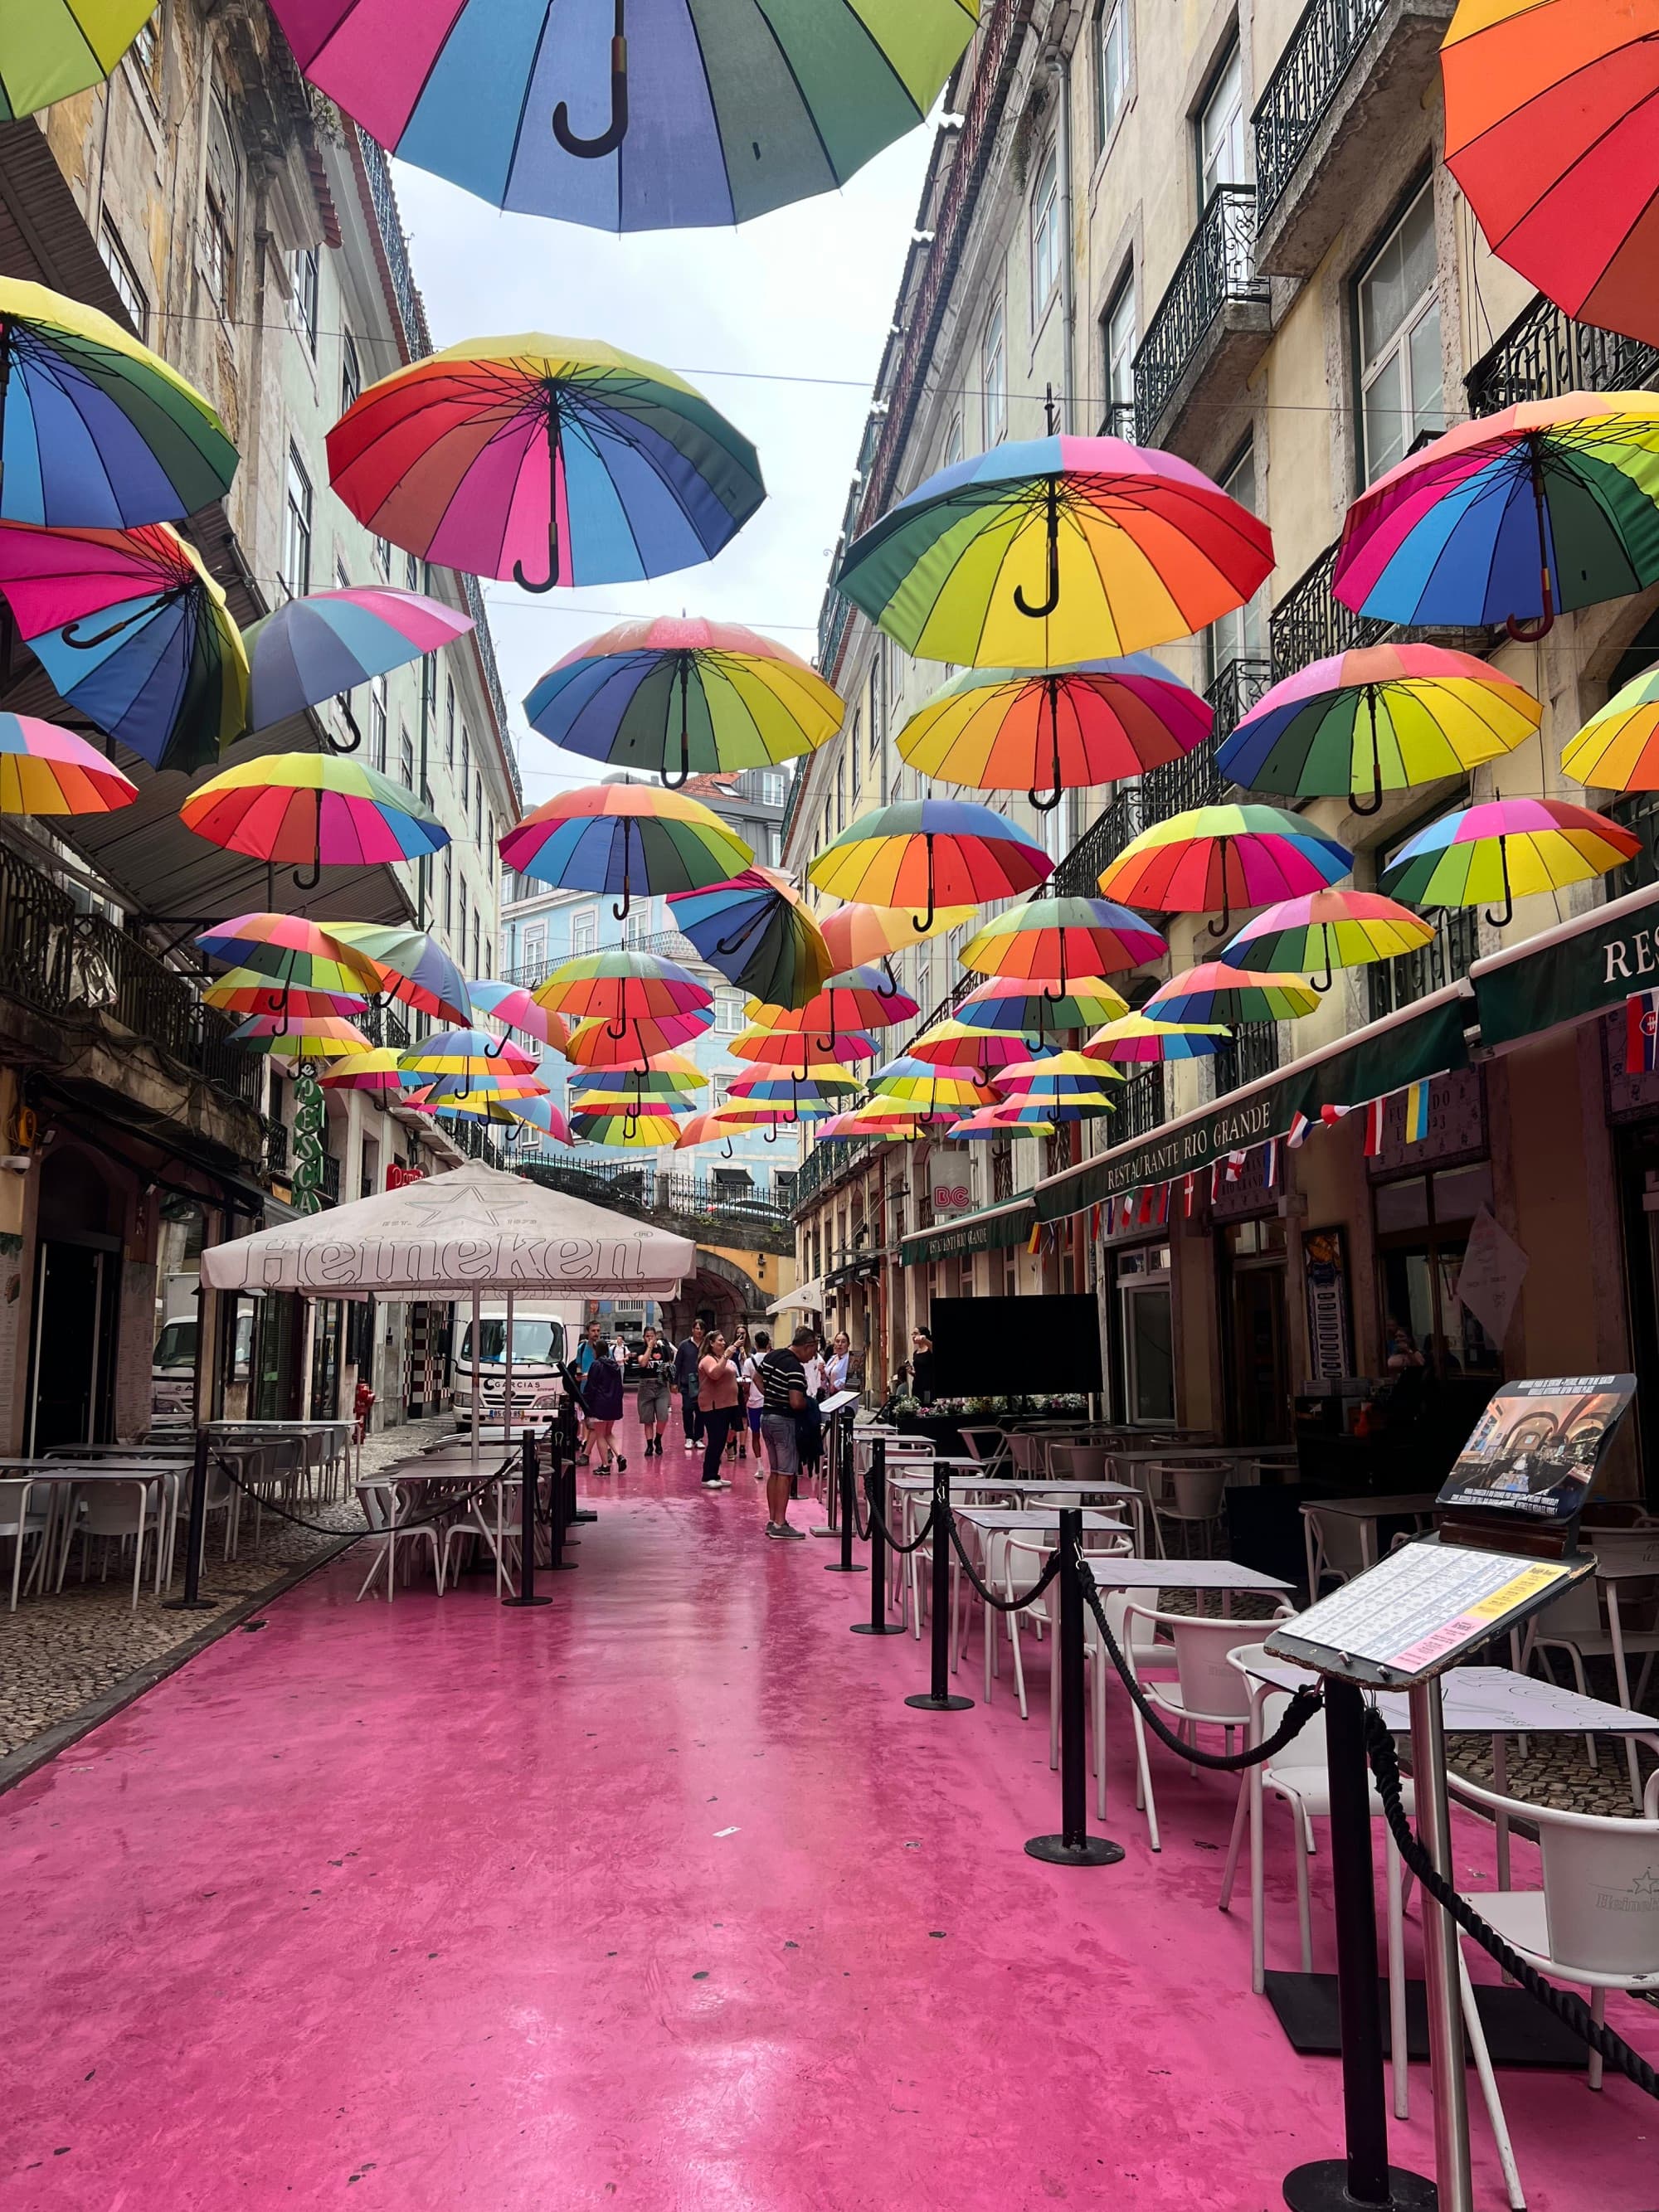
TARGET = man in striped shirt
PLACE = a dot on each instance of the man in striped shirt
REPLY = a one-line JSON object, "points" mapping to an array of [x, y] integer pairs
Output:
{"points": [[782, 1378]]}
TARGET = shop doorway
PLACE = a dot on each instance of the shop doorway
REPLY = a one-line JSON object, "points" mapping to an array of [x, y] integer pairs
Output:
{"points": [[77, 1305], [1258, 1346], [1637, 1156], [1144, 1382]]}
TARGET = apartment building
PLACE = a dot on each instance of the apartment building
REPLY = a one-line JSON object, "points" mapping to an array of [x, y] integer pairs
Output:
{"points": [[1267, 269]]}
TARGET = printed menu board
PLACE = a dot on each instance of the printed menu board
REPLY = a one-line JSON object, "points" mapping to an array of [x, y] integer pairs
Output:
{"points": [[1535, 1450]]}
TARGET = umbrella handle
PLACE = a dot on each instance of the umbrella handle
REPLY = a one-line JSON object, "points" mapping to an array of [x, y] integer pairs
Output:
{"points": [[1052, 684], [1498, 921], [728, 945], [595, 149], [678, 782], [619, 1032], [343, 700], [729, 1154], [304, 883], [770, 1138], [1052, 601], [892, 990], [127, 622], [621, 912], [518, 575], [1375, 805], [923, 922], [1526, 632], [1329, 976], [1221, 928]]}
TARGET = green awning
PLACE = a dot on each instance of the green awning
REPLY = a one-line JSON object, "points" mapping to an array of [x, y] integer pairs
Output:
{"points": [[1426, 1039], [1566, 973], [991, 1229]]}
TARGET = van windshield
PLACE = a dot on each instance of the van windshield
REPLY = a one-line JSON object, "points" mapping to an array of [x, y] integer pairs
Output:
{"points": [[535, 1343], [176, 1346]]}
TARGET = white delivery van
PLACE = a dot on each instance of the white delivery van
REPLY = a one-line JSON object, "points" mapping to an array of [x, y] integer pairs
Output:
{"points": [[544, 1336]]}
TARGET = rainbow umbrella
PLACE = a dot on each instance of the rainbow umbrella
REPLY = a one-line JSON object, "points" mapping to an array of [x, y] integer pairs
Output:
{"points": [[1220, 856], [540, 1114], [706, 1129], [1618, 748], [857, 1000], [1011, 729], [371, 1070], [1063, 936], [940, 851], [245, 991], [1040, 1004], [46, 770], [710, 696], [1510, 848], [629, 1132], [1377, 719], [503, 1107], [1138, 1040], [96, 431], [1044, 1113], [1327, 929], [661, 117], [465, 1060], [51, 49], [317, 1036], [410, 966], [883, 1118], [1212, 992], [999, 1121], [621, 987], [925, 1089], [1048, 553], [674, 1072], [324, 645], [634, 1087], [516, 1009], [824, 1086], [860, 935], [311, 809], [594, 1044], [291, 951], [795, 1048], [1549, 131], [954, 1044], [756, 932], [1062, 1077], [625, 837], [1511, 517], [479, 457], [133, 631]]}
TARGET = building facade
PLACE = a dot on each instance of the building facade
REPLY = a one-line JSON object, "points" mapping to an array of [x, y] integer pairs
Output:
{"points": [[1266, 268], [211, 202]]}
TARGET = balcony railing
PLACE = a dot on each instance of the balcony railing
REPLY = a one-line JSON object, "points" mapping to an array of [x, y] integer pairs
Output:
{"points": [[385, 1025], [331, 1182], [1317, 57], [823, 1163], [1118, 420], [1310, 624], [657, 1191], [1140, 1106], [1122, 817], [1545, 353], [1251, 1052], [276, 1160], [1446, 958], [1217, 270]]}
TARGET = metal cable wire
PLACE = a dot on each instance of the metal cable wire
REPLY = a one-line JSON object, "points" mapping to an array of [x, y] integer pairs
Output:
{"points": [[1571, 2011]]}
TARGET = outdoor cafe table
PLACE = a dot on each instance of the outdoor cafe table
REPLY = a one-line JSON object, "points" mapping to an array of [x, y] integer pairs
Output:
{"points": [[1079, 1487], [1114, 1571], [139, 1474], [1009, 1520], [1418, 1505]]}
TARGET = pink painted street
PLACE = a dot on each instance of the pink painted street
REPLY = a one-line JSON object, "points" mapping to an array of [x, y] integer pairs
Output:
{"points": [[659, 1897]]}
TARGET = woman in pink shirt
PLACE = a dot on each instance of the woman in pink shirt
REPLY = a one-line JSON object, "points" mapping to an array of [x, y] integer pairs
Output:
{"points": [[717, 1404]]}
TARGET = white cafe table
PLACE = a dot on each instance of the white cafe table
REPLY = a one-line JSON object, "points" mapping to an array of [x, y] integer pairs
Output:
{"points": [[142, 1476], [1014, 1521], [1114, 1571], [1079, 1487]]}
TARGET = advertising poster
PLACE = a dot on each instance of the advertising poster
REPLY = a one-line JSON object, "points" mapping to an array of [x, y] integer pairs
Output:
{"points": [[1535, 1450], [1325, 1266]]}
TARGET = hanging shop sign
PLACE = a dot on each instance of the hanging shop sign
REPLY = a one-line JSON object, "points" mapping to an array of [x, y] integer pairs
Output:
{"points": [[1568, 973], [991, 1231], [948, 1182]]}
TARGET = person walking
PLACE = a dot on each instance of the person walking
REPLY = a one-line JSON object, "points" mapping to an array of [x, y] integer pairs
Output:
{"points": [[783, 1394], [602, 1396], [686, 1355], [839, 1363], [587, 1351], [921, 1365], [651, 1400], [717, 1402], [809, 1427]]}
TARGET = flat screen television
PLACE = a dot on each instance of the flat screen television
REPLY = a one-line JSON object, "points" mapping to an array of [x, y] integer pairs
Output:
{"points": [[1001, 1347]]}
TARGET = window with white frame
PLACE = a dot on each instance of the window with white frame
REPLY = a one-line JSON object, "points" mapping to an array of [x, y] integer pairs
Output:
{"points": [[855, 753], [1118, 341], [466, 762], [773, 787], [406, 757], [584, 932], [993, 377], [1045, 234], [1221, 143], [877, 701], [412, 571], [1242, 634], [124, 275], [636, 928], [351, 372], [728, 1013], [1111, 66], [307, 292], [953, 445], [1400, 372], [535, 948], [460, 919], [377, 724], [449, 722], [297, 527], [449, 887], [383, 558]]}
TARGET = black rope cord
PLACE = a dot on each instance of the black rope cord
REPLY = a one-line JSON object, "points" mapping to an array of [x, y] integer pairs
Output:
{"points": [[414, 1521], [878, 1520], [1303, 1705], [1571, 2011], [1003, 1604]]}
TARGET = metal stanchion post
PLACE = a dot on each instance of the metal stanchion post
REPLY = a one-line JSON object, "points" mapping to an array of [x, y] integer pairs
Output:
{"points": [[1074, 1845], [1441, 1978], [560, 1474], [567, 1455], [936, 1698], [842, 1497], [875, 1489], [528, 1530], [195, 1538], [1363, 2178]]}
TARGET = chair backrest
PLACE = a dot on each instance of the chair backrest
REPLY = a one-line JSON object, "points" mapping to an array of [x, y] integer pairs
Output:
{"points": [[1601, 1884], [379, 1503], [1576, 1613], [1195, 1490], [13, 1506], [113, 1508], [1026, 1451], [1338, 1538], [1078, 1462], [1209, 1685]]}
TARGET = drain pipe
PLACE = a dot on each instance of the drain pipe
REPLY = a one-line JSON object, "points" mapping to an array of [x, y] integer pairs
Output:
{"points": [[1060, 68]]}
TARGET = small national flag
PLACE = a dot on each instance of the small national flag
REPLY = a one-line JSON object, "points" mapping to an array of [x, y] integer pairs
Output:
{"points": [[1417, 1112], [1161, 1205], [1148, 1201], [1374, 1113], [1641, 1033], [1330, 1116], [1235, 1165], [1094, 1224], [1034, 1243], [1270, 1165], [1188, 1192], [1300, 1126], [1215, 1182]]}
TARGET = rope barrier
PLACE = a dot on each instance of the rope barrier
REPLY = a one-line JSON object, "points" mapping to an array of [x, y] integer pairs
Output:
{"points": [[1571, 2011], [1303, 1705], [878, 1519], [439, 1513], [1002, 1604]]}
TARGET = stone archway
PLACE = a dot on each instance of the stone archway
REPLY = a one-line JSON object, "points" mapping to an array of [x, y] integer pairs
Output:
{"points": [[720, 1289]]}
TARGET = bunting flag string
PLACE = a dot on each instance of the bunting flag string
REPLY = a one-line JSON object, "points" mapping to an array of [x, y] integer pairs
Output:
{"points": [[1374, 1113], [1188, 1193], [1417, 1112], [1270, 1165], [1641, 1033]]}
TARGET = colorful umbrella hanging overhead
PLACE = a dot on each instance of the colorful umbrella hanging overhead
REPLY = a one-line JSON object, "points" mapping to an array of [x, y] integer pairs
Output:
{"points": [[1549, 131], [1222, 857], [133, 632], [796, 1049], [625, 1132], [410, 966], [371, 1070], [928, 854], [619, 986], [1062, 937], [1377, 719], [1617, 748], [624, 837], [1055, 730], [952, 1044], [1058, 1076], [1327, 929], [756, 932], [1053, 551], [1038, 1003], [994, 1122], [665, 1074], [245, 991], [1212, 992], [646, 117], [51, 49], [593, 1045], [312, 810], [516, 1009], [925, 1089], [884, 1118], [676, 698], [324, 645], [592, 467], [1508, 849], [96, 431], [822, 1085], [1138, 1040], [312, 1037], [1512, 518], [46, 770], [460, 1062], [291, 949], [860, 1000], [860, 935]]}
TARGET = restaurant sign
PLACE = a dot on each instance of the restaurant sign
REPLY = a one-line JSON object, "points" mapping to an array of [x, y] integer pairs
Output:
{"points": [[1577, 972], [992, 1230]]}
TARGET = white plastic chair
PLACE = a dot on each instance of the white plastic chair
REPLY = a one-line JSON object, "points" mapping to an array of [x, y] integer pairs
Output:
{"points": [[1188, 1495], [1205, 1691], [1335, 1548], [116, 1510], [22, 1521], [385, 1507]]}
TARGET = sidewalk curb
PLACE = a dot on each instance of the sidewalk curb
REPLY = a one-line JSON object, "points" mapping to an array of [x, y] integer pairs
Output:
{"points": [[16, 1766]]}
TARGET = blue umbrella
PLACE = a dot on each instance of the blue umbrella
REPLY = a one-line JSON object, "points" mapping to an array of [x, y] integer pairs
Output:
{"points": [[326, 644]]}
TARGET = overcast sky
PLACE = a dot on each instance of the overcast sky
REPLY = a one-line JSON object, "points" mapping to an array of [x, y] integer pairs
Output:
{"points": [[804, 293]]}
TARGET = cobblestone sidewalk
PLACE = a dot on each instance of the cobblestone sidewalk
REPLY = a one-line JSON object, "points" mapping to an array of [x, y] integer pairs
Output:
{"points": [[58, 1654]]}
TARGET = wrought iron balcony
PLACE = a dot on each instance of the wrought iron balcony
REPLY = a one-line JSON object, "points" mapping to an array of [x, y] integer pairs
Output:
{"points": [[1545, 353], [1235, 688], [1217, 271], [384, 1025], [1118, 421], [1446, 958], [1317, 56], [1309, 624], [1251, 1052], [823, 1163], [276, 1160], [331, 1182], [1122, 817], [1140, 1106]]}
